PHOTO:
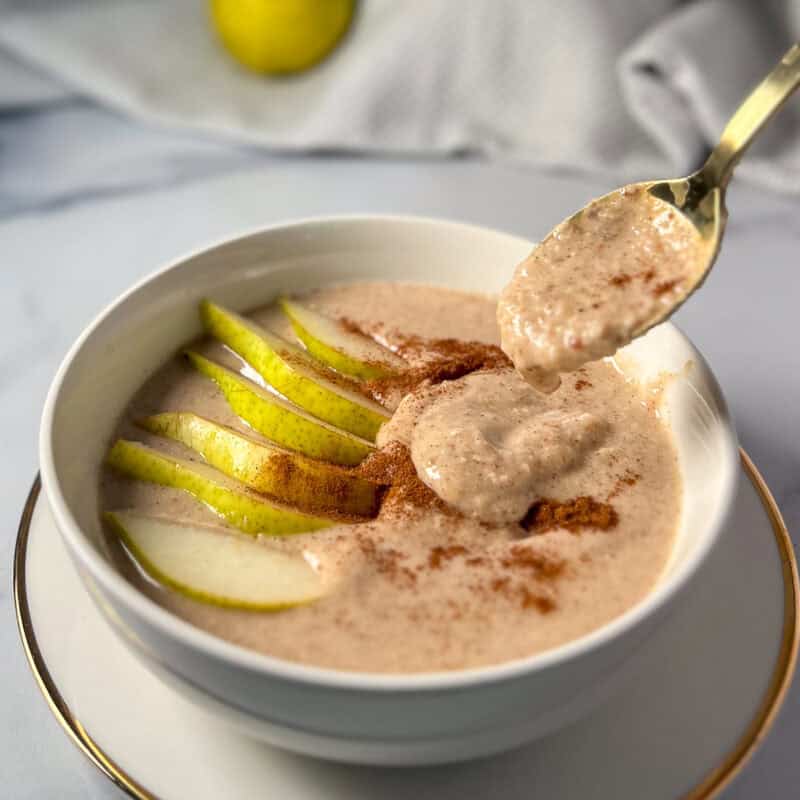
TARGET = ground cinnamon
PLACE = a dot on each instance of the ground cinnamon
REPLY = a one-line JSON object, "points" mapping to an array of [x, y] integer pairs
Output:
{"points": [[624, 278], [572, 515], [430, 360], [439, 555], [624, 481], [519, 566], [326, 373], [539, 564], [392, 466], [321, 491], [386, 560], [541, 602], [664, 287], [518, 574]]}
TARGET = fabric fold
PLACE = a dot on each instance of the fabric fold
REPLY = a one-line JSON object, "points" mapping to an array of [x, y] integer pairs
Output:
{"points": [[618, 87]]}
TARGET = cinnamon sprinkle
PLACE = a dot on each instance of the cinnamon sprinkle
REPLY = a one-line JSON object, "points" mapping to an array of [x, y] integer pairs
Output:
{"points": [[526, 596], [393, 467], [351, 326], [323, 371], [572, 515], [441, 554], [664, 287], [386, 560], [624, 481], [521, 565], [438, 360], [500, 584], [541, 565], [327, 490], [541, 602], [624, 278]]}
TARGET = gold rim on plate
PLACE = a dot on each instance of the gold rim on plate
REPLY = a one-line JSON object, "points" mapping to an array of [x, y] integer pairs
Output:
{"points": [[711, 785]]}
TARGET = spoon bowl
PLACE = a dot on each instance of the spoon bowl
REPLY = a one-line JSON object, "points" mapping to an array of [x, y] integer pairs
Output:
{"points": [[625, 262]]}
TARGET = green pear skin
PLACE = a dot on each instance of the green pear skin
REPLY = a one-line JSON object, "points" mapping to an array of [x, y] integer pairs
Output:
{"points": [[280, 421], [214, 566], [349, 353], [286, 475], [239, 507], [294, 374]]}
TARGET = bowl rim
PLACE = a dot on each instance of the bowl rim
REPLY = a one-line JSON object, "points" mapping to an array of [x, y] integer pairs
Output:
{"points": [[212, 646]]}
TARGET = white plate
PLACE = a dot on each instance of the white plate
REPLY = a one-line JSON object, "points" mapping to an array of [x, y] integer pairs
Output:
{"points": [[704, 694]]}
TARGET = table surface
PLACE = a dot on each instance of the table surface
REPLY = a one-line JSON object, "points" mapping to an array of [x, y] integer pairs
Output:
{"points": [[63, 261]]}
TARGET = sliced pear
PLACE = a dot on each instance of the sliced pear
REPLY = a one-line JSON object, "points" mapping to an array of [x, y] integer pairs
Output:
{"points": [[236, 504], [294, 374], [347, 352], [281, 473], [281, 421], [216, 566]]}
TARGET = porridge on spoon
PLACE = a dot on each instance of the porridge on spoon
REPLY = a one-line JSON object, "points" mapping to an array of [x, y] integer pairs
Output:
{"points": [[598, 280]]}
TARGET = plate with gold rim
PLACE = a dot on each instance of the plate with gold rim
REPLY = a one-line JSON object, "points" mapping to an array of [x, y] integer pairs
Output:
{"points": [[678, 728]]}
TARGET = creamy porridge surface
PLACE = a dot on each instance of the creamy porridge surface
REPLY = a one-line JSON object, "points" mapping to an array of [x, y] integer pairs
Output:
{"points": [[490, 574]]}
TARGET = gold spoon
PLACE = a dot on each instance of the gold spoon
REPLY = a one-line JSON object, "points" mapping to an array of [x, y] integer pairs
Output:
{"points": [[701, 195], [568, 303]]}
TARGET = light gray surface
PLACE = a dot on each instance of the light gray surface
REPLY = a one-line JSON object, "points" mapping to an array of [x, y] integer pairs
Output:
{"points": [[59, 267]]}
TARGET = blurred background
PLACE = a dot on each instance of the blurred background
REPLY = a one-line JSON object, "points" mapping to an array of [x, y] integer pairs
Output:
{"points": [[134, 130], [171, 90]]}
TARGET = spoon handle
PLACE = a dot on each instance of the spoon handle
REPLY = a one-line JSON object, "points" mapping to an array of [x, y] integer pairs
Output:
{"points": [[764, 101]]}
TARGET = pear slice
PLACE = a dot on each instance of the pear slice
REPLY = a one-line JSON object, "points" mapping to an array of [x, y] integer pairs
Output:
{"points": [[281, 421], [347, 352], [281, 473], [216, 566], [294, 374], [236, 504]]}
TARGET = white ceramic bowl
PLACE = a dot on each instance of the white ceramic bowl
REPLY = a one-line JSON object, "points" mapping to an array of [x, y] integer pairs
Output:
{"points": [[360, 717]]}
